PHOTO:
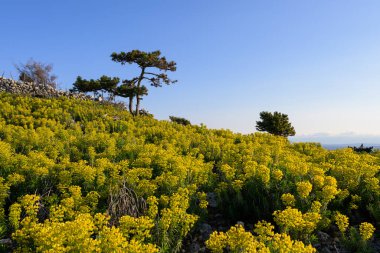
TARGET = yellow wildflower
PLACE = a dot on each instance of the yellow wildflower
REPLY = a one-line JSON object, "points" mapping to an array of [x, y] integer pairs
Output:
{"points": [[304, 188], [264, 231], [288, 199], [202, 196], [277, 174], [366, 230], [318, 181], [316, 206], [341, 221], [290, 218]]}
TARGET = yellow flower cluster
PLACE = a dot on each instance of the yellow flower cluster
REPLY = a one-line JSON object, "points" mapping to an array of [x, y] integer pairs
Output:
{"points": [[277, 174], [288, 199], [228, 172], [292, 220], [15, 215], [30, 204], [341, 221], [136, 228], [264, 231], [15, 179], [284, 243], [174, 222], [316, 206], [366, 230], [236, 240], [263, 173], [304, 188], [328, 193], [202, 196], [152, 207], [318, 181], [77, 236], [237, 185]]}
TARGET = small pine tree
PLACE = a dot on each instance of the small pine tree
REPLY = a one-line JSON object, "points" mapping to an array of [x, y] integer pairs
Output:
{"points": [[275, 123], [179, 120], [103, 84], [362, 149]]}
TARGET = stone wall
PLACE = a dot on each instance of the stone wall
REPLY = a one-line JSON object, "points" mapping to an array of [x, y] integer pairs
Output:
{"points": [[36, 90]]}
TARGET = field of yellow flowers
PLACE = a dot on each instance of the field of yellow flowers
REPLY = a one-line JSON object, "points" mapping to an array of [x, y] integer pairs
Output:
{"points": [[80, 176]]}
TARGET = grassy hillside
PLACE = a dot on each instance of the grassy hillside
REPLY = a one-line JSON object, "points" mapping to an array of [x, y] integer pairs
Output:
{"points": [[79, 176]]}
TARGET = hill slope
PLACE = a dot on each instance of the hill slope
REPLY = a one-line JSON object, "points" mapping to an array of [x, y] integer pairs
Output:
{"points": [[76, 175]]}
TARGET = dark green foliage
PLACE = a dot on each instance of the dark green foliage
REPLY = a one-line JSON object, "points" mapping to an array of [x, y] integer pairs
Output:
{"points": [[252, 203], [179, 120], [145, 60], [108, 84], [354, 243], [374, 209], [275, 123], [82, 85], [103, 84], [144, 112], [362, 149]]}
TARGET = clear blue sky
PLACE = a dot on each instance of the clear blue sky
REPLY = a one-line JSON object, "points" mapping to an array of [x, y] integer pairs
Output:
{"points": [[317, 61]]}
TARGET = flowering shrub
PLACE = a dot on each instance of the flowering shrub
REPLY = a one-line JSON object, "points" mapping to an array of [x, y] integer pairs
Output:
{"points": [[341, 221], [366, 230], [304, 188], [299, 225], [136, 228], [63, 159], [288, 199], [238, 240], [81, 234]]}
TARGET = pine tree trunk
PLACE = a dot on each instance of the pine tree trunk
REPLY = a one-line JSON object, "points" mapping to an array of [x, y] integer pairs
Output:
{"points": [[131, 104], [138, 90], [138, 105]]}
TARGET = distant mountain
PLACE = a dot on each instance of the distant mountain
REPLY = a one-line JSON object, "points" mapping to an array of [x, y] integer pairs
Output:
{"points": [[343, 140]]}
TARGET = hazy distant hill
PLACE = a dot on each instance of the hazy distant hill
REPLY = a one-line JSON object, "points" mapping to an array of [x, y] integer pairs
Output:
{"points": [[338, 146]]}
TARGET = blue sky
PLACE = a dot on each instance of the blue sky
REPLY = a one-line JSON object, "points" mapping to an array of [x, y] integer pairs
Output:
{"points": [[317, 61]]}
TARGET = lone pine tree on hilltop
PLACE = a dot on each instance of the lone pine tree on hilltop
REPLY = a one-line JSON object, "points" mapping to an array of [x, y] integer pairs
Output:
{"points": [[145, 60], [275, 123]]}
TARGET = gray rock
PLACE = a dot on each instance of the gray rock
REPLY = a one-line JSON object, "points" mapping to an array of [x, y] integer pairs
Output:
{"points": [[240, 223], [6, 241], [212, 200], [37, 90], [323, 237], [194, 247], [325, 250], [205, 231]]}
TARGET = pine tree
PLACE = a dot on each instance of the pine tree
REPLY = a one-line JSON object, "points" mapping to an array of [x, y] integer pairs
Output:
{"points": [[145, 61], [275, 123]]}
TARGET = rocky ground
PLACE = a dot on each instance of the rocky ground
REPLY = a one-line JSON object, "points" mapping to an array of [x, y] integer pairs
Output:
{"points": [[36, 90]]}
